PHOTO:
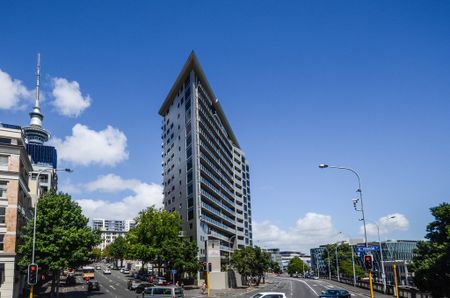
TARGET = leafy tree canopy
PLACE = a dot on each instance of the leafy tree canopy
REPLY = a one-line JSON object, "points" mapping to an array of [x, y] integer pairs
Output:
{"points": [[251, 262], [431, 264], [63, 238], [296, 265]]}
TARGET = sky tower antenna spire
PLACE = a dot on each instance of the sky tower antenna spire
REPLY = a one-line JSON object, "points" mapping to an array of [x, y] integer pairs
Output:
{"points": [[38, 80]]}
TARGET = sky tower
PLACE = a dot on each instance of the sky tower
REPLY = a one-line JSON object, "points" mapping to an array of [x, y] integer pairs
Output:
{"points": [[43, 157]]}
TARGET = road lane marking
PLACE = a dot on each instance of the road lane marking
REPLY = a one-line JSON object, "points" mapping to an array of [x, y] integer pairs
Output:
{"points": [[299, 280], [112, 287]]}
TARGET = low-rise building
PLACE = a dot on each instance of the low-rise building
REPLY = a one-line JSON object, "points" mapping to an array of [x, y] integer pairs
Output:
{"points": [[15, 205]]}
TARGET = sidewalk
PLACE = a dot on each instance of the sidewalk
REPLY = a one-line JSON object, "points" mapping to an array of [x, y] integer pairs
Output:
{"points": [[353, 289]]}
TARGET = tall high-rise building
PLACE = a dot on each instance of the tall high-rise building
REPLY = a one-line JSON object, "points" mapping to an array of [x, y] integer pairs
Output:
{"points": [[205, 174], [43, 158]]}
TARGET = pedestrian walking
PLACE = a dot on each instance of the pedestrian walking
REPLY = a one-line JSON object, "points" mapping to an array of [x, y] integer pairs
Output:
{"points": [[204, 288]]}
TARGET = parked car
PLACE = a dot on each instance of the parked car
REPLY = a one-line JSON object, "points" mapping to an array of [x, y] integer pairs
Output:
{"points": [[269, 295], [93, 285], [335, 293], [133, 283], [125, 271], [163, 292], [161, 281], [142, 286], [106, 271], [98, 267]]}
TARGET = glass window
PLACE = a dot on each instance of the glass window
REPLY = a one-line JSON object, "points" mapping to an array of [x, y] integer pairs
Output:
{"points": [[3, 160], [2, 215], [2, 189], [2, 237]]}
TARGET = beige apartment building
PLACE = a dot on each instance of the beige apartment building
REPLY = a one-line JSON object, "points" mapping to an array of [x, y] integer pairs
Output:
{"points": [[15, 206]]}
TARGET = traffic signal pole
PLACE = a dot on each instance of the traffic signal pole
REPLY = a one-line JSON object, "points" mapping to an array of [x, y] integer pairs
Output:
{"points": [[395, 280], [370, 284]]}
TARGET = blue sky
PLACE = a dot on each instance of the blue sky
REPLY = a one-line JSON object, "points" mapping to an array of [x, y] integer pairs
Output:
{"points": [[361, 84]]}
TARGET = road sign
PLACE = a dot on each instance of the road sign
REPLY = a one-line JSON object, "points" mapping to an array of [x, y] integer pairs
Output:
{"points": [[363, 249], [174, 271]]}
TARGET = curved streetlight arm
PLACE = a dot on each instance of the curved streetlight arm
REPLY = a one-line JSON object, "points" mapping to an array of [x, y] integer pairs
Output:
{"points": [[359, 190]]}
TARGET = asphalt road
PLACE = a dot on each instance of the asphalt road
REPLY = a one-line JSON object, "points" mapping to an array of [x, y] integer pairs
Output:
{"points": [[115, 286], [111, 286], [298, 287]]}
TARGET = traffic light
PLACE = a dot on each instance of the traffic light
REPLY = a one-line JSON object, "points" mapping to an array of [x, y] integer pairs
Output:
{"points": [[368, 262], [32, 274]]}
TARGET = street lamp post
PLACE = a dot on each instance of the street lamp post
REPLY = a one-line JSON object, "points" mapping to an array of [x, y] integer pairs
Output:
{"points": [[383, 273], [329, 265], [359, 190], [337, 262], [353, 259]]}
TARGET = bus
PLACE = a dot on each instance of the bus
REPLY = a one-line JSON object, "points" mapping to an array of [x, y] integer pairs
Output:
{"points": [[88, 273]]}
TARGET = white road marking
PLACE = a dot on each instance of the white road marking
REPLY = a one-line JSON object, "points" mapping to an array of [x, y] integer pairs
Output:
{"points": [[307, 285], [112, 287]]}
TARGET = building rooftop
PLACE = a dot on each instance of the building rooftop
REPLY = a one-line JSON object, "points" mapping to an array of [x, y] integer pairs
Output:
{"points": [[192, 63]]}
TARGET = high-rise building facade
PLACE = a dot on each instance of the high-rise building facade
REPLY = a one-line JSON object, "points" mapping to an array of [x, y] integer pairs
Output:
{"points": [[15, 206], [110, 229], [205, 173]]}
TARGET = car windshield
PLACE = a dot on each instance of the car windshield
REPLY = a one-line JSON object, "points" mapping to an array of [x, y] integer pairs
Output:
{"points": [[332, 292], [257, 296]]}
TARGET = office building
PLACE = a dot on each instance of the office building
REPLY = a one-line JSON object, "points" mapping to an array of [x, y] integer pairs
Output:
{"points": [[275, 256], [43, 157], [287, 256], [399, 252], [15, 205], [111, 229], [205, 173]]}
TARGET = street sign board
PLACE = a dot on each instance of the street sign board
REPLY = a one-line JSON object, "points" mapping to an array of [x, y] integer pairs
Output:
{"points": [[363, 249], [174, 271]]}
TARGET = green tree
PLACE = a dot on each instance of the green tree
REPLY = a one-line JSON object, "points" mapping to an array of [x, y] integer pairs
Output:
{"points": [[431, 263], [155, 230], [251, 262], [118, 249], [275, 267], [296, 266], [63, 238], [181, 255], [97, 253]]}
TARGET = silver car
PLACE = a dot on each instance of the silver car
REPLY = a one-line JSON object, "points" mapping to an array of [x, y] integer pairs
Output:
{"points": [[163, 292]]}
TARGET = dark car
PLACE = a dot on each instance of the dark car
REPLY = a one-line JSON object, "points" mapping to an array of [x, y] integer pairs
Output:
{"points": [[142, 286], [93, 285], [335, 293]]}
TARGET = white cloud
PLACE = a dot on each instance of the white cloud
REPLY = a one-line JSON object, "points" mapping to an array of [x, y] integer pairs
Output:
{"points": [[86, 146], [310, 231], [68, 98], [387, 224], [112, 183], [143, 195], [68, 187], [13, 94]]}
